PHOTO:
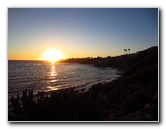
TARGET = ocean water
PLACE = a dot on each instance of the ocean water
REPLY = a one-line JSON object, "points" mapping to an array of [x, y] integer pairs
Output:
{"points": [[42, 75]]}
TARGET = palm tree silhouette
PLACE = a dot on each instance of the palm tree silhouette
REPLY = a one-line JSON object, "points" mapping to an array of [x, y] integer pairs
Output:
{"points": [[125, 50], [129, 50]]}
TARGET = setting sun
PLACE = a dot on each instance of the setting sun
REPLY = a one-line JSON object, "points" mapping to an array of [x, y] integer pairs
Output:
{"points": [[52, 55]]}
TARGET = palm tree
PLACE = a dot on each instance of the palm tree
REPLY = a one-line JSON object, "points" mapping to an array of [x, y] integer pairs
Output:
{"points": [[129, 50], [125, 50]]}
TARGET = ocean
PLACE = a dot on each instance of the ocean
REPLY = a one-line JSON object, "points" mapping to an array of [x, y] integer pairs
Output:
{"points": [[43, 75]]}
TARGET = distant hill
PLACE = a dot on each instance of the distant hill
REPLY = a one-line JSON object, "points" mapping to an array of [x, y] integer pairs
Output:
{"points": [[122, 62]]}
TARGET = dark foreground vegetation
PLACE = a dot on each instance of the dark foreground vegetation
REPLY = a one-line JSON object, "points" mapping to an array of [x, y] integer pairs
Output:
{"points": [[132, 97]]}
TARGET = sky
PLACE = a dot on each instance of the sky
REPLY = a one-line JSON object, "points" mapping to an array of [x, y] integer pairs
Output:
{"points": [[80, 32]]}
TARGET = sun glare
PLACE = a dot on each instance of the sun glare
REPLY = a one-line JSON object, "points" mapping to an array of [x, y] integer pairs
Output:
{"points": [[52, 55]]}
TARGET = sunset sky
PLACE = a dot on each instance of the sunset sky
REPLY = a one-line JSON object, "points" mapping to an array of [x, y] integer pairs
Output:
{"points": [[80, 32]]}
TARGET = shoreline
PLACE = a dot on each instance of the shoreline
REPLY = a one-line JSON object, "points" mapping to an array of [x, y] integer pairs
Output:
{"points": [[119, 72], [82, 87]]}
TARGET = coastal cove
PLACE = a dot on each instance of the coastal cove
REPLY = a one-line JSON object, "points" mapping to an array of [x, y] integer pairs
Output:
{"points": [[47, 77], [133, 96], [42, 75]]}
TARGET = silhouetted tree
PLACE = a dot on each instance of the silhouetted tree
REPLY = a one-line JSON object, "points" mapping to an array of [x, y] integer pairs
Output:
{"points": [[129, 50], [125, 50]]}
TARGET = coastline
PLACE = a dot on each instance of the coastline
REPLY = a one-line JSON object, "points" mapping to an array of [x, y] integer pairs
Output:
{"points": [[81, 87], [131, 97]]}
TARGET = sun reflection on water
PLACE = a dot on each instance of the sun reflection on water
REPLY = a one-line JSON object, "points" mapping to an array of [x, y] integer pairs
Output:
{"points": [[53, 71], [53, 74], [53, 78]]}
